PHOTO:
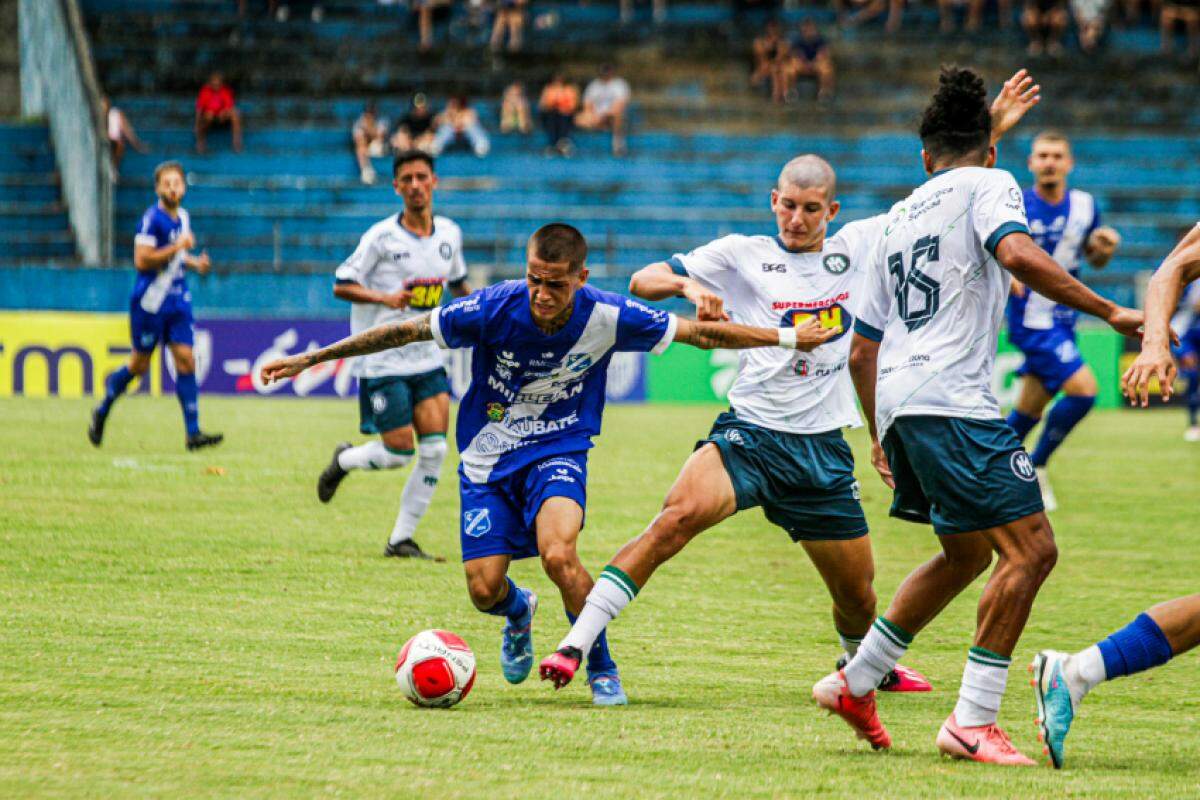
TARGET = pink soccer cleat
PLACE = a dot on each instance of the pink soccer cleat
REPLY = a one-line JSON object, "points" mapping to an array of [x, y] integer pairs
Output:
{"points": [[905, 679], [987, 744], [832, 694], [560, 666]]}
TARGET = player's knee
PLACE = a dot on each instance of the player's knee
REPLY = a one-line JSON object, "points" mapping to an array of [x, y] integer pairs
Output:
{"points": [[185, 364], [561, 563], [856, 600], [484, 591], [675, 525]]}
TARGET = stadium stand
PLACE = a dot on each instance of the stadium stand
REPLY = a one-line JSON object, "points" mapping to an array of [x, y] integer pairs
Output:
{"points": [[33, 221], [703, 153]]}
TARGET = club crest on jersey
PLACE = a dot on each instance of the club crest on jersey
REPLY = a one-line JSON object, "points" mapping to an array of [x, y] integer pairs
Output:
{"points": [[495, 412], [445, 251], [578, 362], [477, 522], [835, 263], [834, 316], [1022, 466]]}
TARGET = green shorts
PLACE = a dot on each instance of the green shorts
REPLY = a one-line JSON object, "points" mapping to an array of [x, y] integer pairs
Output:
{"points": [[804, 482], [962, 475], [385, 404]]}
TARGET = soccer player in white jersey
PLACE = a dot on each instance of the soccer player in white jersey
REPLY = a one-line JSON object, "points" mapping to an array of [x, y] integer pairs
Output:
{"points": [[400, 271], [1065, 222], [780, 446], [540, 354], [921, 359], [1061, 680]]}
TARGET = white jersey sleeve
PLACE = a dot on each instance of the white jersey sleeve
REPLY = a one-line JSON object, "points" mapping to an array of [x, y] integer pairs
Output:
{"points": [[875, 295], [713, 266], [358, 267], [998, 208], [458, 262]]}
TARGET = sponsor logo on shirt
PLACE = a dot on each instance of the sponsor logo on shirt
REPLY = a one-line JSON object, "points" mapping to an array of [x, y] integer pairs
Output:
{"points": [[424, 292], [401, 255], [505, 357], [784, 305], [805, 369], [528, 426], [533, 397], [834, 317], [774, 267], [495, 412], [653, 313]]}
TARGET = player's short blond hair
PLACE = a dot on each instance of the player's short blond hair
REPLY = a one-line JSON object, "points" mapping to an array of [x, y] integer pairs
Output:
{"points": [[169, 166], [1051, 135], [806, 172]]}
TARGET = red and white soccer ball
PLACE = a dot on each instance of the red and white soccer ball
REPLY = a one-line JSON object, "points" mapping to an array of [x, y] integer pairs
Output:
{"points": [[435, 669]]}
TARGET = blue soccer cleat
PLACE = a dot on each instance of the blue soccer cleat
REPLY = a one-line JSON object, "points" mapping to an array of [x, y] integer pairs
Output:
{"points": [[516, 645], [606, 689], [1056, 709]]}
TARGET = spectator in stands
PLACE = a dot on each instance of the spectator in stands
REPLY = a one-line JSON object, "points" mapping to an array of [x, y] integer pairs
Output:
{"points": [[557, 106], [1089, 22], [425, 10], [369, 135], [605, 101], [658, 11], [510, 19], [868, 10], [514, 110], [120, 133], [768, 50], [809, 57], [948, 8], [1177, 11], [215, 106], [272, 6], [414, 131], [1044, 22], [459, 124]]}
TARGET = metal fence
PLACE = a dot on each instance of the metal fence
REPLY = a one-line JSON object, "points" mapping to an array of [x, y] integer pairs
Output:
{"points": [[58, 82]]}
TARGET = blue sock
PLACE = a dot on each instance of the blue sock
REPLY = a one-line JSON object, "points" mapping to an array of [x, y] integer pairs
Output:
{"points": [[1065, 415], [598, 658], [1138, 646], [513, 606], [1021, 424], [189, 401], [1193, 396], [114, 387]]}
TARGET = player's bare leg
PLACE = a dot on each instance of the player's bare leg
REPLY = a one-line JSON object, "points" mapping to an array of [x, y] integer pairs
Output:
{"points": [[493, 592], [431, 417], [114, 387], [189, 397]]}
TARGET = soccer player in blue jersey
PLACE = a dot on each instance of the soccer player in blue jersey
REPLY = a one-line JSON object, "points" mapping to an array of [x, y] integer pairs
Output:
{"points": [[160, 308], [1062, 680], [541, 349], [1066, 224], [1187, 321]]}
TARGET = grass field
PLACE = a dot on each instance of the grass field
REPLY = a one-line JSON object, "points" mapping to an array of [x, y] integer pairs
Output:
{"points": [[172, 632]]}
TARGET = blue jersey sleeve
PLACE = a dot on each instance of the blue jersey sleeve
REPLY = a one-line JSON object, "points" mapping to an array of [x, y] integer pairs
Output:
{"points": [[150, 232], [642, 329], [460, 323]]}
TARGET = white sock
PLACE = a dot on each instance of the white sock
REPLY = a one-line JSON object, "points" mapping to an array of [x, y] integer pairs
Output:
{"points": [[880, 651], [984, 680], [610, 595], [418, 491], [372, 455], [850, 643], [1084, 672]]}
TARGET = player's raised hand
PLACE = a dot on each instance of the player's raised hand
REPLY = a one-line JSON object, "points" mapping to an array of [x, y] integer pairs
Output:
{"points": [[709, 307], [1105, 239], [810, 335], [880, 462], [398, 299], [1127, 321], [186, 241], [202, 263], [1018, 95], [282, 368], [1152, 362]]}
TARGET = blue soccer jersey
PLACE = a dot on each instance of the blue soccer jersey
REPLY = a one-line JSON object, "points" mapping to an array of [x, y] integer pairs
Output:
{"points": [[535, 395], [1062, 230], [168, 285]]}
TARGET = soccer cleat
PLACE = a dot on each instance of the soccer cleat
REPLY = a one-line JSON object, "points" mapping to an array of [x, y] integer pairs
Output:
{"points": [[1192, 434], [516, 644], [96, 428], [201, 440], [1048, 499], [332, 475], [1055, 707], [606, 689], [987, 744], [407, 548], [832, 694], [560, 666], [901, 679]]}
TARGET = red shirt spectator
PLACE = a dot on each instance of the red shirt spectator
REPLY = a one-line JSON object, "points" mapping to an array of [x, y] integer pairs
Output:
{"points": [[215, 106], [214, 100]]}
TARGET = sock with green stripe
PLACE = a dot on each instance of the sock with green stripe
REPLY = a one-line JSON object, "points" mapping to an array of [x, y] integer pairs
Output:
{"points": [[612, 592], [982, 689], [880, 651], [373, 455], [422, 483]]}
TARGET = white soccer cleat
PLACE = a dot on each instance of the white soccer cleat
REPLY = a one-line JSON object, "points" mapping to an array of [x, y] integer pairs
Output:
{"points": [[1192, 434], [1048, 499]]}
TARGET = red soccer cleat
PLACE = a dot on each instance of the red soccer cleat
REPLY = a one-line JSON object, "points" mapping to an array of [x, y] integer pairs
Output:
{"points": [[905, 679], [560, 666], [832, 694], [987, 744]]}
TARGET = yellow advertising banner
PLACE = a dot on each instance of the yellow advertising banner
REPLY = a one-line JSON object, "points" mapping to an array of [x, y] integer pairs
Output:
{"points": [[63, 354]]}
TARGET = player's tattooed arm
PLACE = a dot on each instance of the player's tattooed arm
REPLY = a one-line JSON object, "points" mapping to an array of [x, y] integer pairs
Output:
{"points": [[1018, 95], [384, 337], [728, 336]]}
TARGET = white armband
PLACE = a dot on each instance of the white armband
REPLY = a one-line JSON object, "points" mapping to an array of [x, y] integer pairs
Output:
{"points": [[787, 338]]}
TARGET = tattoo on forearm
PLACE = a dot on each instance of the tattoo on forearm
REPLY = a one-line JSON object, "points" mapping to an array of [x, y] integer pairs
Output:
{"points": [[714, 336], [384, 337]]}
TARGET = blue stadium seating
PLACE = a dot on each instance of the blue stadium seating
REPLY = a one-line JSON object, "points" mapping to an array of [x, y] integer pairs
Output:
{"points": [[33, 221]]}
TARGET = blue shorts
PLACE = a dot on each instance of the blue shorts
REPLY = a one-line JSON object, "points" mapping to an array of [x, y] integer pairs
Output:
{"points": [[962, 475], [804, 482], [1050, 356], [385, 404], [171, 325], [1189, 345], [500, 518]]}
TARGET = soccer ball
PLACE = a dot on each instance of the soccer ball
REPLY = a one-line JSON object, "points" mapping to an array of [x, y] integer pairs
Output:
{"points": [[435, 669]]}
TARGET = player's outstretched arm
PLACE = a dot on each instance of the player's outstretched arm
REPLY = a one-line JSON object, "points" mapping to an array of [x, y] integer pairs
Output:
{"points": [[384, 337], [1018, 95], [1030, 264], [658, 282], [1179, 269], [727, 335], [864, 369]]}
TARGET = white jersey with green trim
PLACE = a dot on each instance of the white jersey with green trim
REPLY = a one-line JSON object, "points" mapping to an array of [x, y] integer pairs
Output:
{"points": [[934, 295], [765, 285], [390, 258]]}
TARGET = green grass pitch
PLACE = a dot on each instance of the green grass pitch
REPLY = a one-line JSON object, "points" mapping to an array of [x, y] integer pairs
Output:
{"points": [[166, 631]]}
